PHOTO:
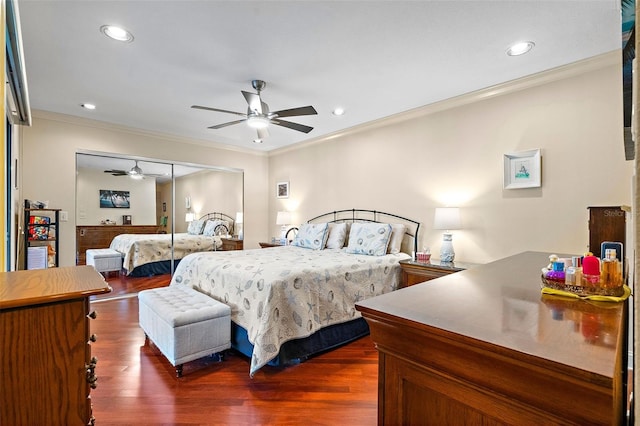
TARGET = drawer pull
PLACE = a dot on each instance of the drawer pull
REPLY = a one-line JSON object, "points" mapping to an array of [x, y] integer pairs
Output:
{"points": [[93, 315], [93, 338]]}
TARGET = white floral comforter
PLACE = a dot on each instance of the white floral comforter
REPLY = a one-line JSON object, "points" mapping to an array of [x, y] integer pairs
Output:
{"points": [[139, 249], [284, 293]]}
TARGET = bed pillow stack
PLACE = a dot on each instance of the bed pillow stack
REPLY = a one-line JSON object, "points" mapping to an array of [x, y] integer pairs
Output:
{"points": [[212, 226], [312, 236], [371, 239], [337, 235]]}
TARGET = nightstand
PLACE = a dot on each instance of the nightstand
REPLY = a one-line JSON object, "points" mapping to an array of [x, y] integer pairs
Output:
{"points": [[414, 272], [267, 245], [231, 244]]}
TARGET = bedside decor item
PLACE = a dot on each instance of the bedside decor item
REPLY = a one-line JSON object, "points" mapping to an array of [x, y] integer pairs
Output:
{"points": [[282, 189], [522, 169], [448, 219], [283, 219]]}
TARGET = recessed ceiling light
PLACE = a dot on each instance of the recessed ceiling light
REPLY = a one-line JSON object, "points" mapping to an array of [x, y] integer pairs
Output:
{"points": [[338, 111], [520, 48], [117, 33], [88, 106]]}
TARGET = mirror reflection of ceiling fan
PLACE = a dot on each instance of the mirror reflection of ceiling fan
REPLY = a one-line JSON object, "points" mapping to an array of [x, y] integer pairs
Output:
{"points": [[259, 116], [135, 172]]}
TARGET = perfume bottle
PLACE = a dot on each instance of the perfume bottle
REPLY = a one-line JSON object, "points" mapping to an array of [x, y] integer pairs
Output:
{"points": [[573, 274], [556, 274], [611, 270], [591, 271]]}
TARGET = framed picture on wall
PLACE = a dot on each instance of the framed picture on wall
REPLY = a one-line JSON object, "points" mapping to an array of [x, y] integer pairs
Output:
{"points": [[110, 199], [282, 189], [522, 169]]}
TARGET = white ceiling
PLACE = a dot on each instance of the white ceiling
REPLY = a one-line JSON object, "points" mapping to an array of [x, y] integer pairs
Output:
{"points": [[374, 58]]}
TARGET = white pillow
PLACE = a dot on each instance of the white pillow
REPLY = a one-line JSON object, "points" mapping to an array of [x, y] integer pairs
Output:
{"points": [[312, 236], [371, 239], [337, 235], [195, 227], [210, 227], [397, 235]]}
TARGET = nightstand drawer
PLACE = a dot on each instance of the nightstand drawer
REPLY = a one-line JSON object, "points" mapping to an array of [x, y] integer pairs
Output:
{"points": [[231, 244]]}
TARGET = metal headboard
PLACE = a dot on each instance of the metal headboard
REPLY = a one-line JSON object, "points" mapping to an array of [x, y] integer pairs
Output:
{"points": [[220, 216], [362, 215]]}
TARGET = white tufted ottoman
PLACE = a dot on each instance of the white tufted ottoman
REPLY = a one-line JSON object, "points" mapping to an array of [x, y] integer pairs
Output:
{"points": [[104, 260], [184, 323]]}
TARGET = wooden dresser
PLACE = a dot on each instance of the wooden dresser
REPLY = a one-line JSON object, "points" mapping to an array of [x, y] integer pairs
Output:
{"points": [[46, 366], [483, 346], [100, 236]]}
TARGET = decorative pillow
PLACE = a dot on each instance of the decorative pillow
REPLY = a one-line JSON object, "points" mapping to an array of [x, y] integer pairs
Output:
{"points": [[195, 227], [371, 239], [216, 227], [397, 235], [337, 235], [312, 236]]}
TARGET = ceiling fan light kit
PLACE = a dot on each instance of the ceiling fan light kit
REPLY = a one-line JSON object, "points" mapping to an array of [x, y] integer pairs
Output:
{"points": [[258, 115]]}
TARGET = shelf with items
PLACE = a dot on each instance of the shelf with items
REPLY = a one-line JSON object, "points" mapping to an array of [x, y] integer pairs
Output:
{"points": [[41, 240]]}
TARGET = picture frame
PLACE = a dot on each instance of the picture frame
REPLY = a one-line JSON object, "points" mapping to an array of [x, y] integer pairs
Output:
{"points": [[113, 199], [282, 189], [522, 169]]}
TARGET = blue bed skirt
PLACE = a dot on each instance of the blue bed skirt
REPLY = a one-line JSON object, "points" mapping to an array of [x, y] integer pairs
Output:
{"points": [[298, 350], [154, 268]]}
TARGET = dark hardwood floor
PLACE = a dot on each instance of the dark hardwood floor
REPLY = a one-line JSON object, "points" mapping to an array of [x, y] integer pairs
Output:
{"points": [[137, 385]]}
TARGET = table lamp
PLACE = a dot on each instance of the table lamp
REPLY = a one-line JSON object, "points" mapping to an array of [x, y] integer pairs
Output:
{"points": [[447, 218], [283, 219], [189, 217], [239, 221]]}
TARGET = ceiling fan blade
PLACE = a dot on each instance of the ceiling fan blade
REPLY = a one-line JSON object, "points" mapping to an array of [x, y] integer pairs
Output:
{"points": [[254, 101], [116, 172], [308, 110], [230, 123], [263, 133], [290, 125], [218, 110]]}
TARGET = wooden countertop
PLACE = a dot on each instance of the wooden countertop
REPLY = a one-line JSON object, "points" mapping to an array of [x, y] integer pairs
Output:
{"points": [[500, 303], [25, 288]]}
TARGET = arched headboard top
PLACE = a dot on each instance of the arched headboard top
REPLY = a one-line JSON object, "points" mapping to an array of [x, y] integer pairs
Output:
{"points": [[220, 216], [363, 215]]}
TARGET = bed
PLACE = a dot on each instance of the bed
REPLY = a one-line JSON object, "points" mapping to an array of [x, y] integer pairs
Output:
{"points": [[152, 254], [289, 303]]}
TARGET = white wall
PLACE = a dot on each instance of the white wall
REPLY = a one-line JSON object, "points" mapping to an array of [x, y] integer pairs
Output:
{"points": [[142, 195], [452, 154], [48, 172]]}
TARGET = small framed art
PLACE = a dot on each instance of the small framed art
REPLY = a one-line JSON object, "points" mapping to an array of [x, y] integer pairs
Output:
{"points": [[522, 169], [282, 189]]}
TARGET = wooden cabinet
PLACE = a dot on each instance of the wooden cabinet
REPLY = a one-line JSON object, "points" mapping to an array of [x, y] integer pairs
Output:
{"points": [[232, 244], [41, 233], [100, 236], [46, 366], [414, 272], [483, 346], [267, 245], [607, 224]]}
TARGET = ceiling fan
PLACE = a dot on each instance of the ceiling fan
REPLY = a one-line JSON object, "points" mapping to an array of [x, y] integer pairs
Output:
{"points": [[135, 172], [259, 116]]}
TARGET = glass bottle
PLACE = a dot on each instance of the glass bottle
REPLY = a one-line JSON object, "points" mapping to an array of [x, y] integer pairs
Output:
{"points": [[556, 274], [591, 271], [573, 274], [611, 270]]}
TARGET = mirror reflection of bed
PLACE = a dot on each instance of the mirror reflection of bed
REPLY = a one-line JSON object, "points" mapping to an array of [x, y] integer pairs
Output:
{"points": [[152, 209]]}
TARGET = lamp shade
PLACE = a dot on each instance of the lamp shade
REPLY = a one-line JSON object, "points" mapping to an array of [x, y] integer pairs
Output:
{"points": [[447, 218], [283, 218], [189, 217], [239, 217]]}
